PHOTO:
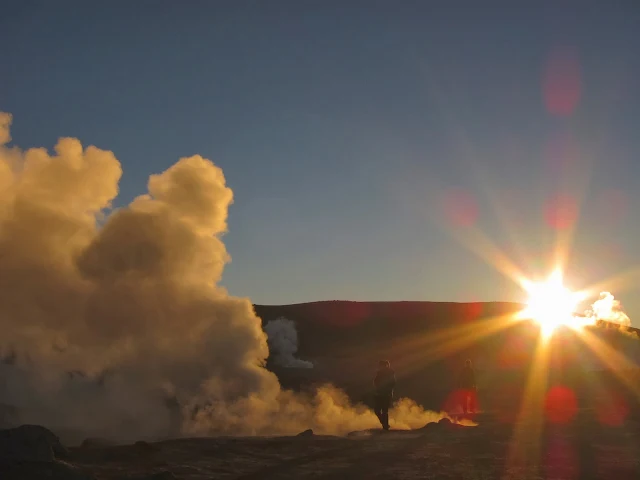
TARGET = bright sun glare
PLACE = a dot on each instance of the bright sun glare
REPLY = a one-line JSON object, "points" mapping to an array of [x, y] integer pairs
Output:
{"points": [[550, 303]]}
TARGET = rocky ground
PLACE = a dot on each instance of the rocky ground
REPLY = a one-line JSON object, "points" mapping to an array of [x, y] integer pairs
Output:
{"points": [[581, 449]]}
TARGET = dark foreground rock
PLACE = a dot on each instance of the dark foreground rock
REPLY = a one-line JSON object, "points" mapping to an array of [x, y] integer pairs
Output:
{"points": [[145, 447], [446, 425], [95, 442], [31, 452], [372, 432], [30, 443], [165, 475], [41, 470], [306, 433]]}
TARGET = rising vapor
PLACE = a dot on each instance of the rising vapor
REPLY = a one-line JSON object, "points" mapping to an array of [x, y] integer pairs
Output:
{"points": [[282, 339], [108, 316], [608, 309]]}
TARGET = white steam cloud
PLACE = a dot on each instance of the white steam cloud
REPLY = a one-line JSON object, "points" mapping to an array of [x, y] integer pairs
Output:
{"points": [[129, 301], [282, 338], [608, 309]]}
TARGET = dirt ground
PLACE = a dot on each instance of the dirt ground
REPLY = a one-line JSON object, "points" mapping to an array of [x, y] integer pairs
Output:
{"points": [[581, 449]]}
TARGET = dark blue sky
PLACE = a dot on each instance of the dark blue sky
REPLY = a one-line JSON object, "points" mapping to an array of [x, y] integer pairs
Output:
{"points": [[368, 143]]}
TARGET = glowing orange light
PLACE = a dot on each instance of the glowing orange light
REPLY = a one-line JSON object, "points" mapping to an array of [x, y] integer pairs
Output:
{"points": [[551, 304], [560, 405]]}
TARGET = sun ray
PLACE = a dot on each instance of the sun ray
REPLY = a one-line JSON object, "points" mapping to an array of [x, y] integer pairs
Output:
{"points": [[421, 351], [617, 362], [481, 245], [620, 281], [578, 186], [524, 448]]}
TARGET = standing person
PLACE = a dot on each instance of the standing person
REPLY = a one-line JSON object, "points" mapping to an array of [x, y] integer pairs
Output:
{"points": [[384, 383], [467, 388]]}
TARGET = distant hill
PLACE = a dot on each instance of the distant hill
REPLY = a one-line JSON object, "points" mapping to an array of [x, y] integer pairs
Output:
{"points": [[427, 342], [340, 324]]}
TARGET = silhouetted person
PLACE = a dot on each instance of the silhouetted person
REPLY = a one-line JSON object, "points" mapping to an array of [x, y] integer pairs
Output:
{"points": [[384, 384], [467, 388]]}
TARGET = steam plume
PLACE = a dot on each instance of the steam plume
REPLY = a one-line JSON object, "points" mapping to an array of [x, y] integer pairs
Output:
{"points": [[608, 309], [282, 338], [133, 307]]}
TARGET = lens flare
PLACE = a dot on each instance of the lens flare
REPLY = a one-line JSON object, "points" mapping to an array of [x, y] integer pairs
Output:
{"points": [[551, 304]]}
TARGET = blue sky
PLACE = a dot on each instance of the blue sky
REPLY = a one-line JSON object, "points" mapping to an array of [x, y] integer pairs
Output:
{"points": [[368, 143]]}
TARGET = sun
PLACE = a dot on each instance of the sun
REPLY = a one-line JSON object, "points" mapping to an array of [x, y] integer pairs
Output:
{"points": [[550, 303]]}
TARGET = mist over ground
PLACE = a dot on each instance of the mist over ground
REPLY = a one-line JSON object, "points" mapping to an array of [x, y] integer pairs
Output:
{"points": [[113, 321]]}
